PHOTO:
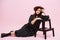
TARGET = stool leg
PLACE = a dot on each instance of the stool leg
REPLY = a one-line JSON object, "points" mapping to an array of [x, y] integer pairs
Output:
{"points": [[35, 35], [43, 26], [53, 32], [45, 34], [50, 23]]}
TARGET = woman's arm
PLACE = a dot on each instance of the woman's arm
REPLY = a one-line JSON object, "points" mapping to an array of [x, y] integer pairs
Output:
{"points": [[34, 20]]}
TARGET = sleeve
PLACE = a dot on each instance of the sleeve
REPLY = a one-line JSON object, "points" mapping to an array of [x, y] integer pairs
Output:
{"points": [[30, 18], [29, 21]]}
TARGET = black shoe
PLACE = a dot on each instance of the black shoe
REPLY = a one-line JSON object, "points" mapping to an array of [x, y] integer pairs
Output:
{"points": [[2, 35], [6, 34]]}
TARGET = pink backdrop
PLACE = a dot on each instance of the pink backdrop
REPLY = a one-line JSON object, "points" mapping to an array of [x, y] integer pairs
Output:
{"points": [[15, 13]]}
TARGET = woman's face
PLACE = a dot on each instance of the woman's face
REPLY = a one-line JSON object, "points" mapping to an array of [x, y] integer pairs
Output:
{"points": [[38, 11]]}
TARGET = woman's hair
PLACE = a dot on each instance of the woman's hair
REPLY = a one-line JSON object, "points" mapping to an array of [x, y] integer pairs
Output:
{"points": [[37, 7]]}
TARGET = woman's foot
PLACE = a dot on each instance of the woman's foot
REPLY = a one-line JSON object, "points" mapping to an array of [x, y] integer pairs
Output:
{"points": [[2, 35], [11, 33], [5, 34]]}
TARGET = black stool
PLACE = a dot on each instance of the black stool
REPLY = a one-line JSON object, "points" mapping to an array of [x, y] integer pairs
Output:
{"points": [[46, 29]]}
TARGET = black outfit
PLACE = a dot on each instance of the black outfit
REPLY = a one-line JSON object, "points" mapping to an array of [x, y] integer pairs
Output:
{"points": [[28, 29]]}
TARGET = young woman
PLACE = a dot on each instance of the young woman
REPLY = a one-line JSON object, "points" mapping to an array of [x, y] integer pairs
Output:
{"points": [[31, 27]]}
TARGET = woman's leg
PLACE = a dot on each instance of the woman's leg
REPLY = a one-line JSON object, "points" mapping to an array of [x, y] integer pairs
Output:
{"points": [[12, 33]]}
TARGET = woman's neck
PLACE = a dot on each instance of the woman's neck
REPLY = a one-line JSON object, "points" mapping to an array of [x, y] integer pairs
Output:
{"points": [[36, 16]]}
